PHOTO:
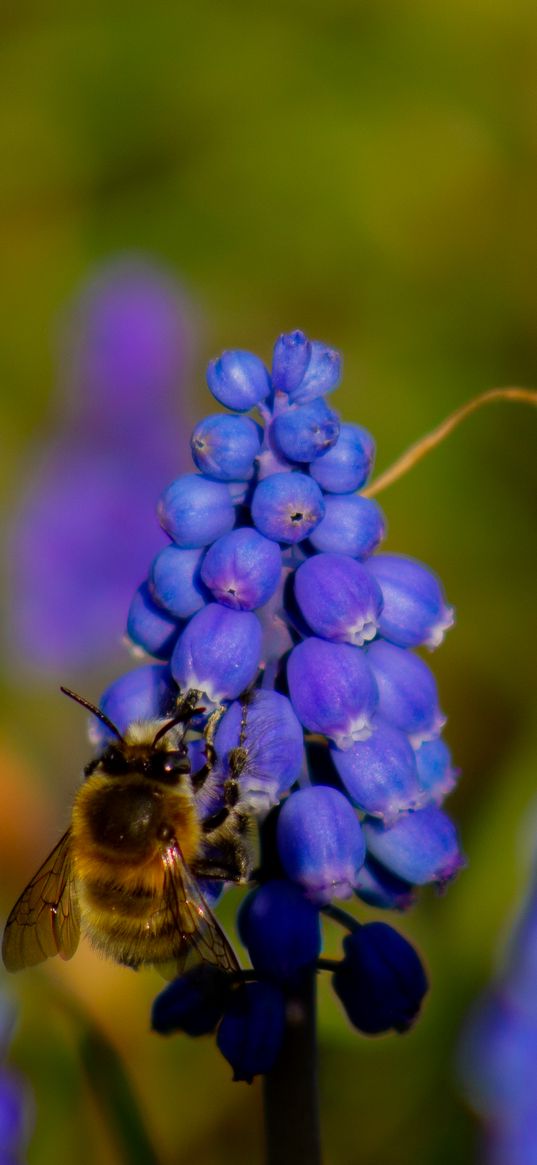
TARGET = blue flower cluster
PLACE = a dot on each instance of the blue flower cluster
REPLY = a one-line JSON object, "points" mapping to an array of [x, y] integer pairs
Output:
{"points": [[270, 584]]}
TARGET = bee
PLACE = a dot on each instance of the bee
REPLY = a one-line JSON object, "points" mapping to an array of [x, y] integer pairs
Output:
{"points": [[144, 830]]}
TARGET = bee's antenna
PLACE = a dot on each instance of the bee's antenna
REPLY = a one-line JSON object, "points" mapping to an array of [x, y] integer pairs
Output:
{"points": [[92, 708], [185, 713]]}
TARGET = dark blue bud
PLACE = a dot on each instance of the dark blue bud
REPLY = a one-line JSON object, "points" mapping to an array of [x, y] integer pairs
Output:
{"points": [[420, 847], [193, 1003], [320, 843], [303, 432], [347, 466], [175, 581], [147, 693], [351, 525], [381, 889], [238, 379], [242, 569], [274, 743], [149, 626], [336, 598], [408, 696], [290, 359], [251, 1033], [380, 981], [287, 506], [280, 929], [224, 447], [218, 652], [332, 690], [194, 510], [380, 774], [436, 773], [322, 375], [415, 610]]}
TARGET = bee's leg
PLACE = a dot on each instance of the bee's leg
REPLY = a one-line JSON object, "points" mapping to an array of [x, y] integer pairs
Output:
{"points": [[213, 720], [232, 861]]}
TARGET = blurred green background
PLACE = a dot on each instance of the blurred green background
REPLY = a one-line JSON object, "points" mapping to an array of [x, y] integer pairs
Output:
{"points": [[367, 172]]}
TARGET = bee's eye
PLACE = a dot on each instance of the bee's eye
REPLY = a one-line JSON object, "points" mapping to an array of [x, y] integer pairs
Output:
{"points": [[114, 762], [168, 766]]}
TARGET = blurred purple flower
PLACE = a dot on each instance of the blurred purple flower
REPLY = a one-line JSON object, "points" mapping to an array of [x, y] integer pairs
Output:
{"points": [[498, 1056], [84, 528]]}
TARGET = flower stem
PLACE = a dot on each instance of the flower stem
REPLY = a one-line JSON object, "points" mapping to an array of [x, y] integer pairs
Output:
{"points": [[291, 1097], [437, 435]]}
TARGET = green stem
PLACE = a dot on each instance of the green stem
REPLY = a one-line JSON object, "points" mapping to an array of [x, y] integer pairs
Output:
{"points": [[291, 1096]]}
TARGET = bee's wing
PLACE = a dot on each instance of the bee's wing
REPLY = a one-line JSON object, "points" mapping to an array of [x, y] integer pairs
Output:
{"points": [[46, 919], [198, 935]]}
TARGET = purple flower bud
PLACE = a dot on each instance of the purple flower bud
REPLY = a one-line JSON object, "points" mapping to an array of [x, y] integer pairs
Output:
{"points": [[347, 466], [381, 981], [436, 773], [320, 843], [420, 847], [224, 447], [415, 611], [238, 379], [303, 432], [175, 581], [381, 889], [290, 359], [351, 525], [336, 598], [147, 693], [194, 510], [274, 742], [149, 626], [380, 774], [287, 506], [280, 929], [332, 689], [321, 376], [242, 569], [218, 652], [251, 1033], [407, 691], [193, 1003]]}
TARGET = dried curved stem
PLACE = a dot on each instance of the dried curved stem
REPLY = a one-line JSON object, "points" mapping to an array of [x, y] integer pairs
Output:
{"points": [[420, 448]]}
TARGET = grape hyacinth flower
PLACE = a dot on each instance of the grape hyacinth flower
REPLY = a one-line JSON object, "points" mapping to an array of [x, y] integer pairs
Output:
{"points": [[270, 601]]}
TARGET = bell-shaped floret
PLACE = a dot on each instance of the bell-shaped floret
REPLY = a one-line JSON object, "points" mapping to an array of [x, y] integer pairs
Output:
{"points": [[347, 466], [303, 432], [274, 744], [420, 847], [290, 359], [332, 690], [415, 611], [382, 889], [251, 1033], [380, 774], [351, 525], [436, 773], [287, 506], [224, 447], [238, 379], [242, 569], [380, 981], [408, 696], [218, 652], [194, 510], [320, 843], [147, 693], [280, 929], [335, 595], [322, 374], [194, 1003], [175, 581], [149, 626]]}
